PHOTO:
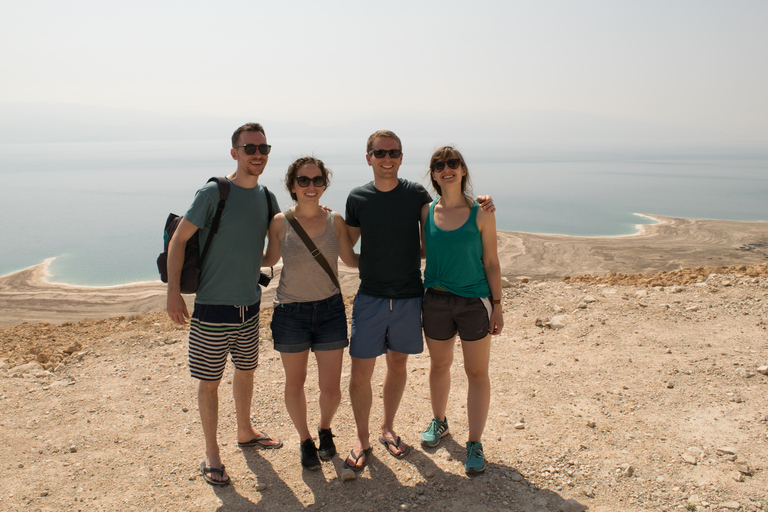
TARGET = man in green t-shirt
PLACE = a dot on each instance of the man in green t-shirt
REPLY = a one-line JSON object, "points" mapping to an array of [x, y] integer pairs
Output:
{"points": [[225, 319]]}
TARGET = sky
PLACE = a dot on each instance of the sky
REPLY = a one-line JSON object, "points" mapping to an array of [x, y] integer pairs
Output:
{"points": [[691, 64]]}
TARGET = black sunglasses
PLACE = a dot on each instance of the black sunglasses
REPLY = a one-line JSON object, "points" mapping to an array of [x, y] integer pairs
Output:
{"points": [[453, 163], [250, 149], [304, 181], [381, 153]]}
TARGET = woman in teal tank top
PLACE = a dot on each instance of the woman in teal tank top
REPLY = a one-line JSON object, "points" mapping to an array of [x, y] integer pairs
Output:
{"points": [[463, 282]]}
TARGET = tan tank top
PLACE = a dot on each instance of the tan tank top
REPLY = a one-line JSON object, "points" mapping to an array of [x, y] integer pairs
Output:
{"points": [[302, 278]]}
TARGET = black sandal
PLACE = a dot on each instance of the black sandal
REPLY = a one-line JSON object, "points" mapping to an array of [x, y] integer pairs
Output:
{"points": [[365, 453]]}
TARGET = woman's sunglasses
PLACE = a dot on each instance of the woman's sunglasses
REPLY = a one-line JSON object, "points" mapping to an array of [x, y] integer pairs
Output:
{"points": [[250, 149], [453, 163], [304, 181]]}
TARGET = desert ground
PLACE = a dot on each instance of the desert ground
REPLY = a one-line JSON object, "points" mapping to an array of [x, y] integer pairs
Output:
{"points": [[631, 375]]}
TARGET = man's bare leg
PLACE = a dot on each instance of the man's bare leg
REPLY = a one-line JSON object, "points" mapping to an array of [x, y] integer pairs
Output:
{"points": [[361, 395], [242, 389], [394, 387], [208, 404]]}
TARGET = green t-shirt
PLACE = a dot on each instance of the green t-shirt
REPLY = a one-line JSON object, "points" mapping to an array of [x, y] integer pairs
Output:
{"points": [[390, 242], [230, 273]]}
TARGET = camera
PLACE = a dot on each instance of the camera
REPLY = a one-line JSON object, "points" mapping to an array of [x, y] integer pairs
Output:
{"points": [[265, 278]]}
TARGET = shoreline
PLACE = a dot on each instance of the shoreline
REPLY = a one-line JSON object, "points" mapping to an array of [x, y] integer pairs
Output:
{"points": [[670, 244]]}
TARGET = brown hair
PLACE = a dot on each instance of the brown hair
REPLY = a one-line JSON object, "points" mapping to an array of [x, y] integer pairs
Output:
{"points": [[293, 169], [247, 127], [447, 153], [382, 133]]}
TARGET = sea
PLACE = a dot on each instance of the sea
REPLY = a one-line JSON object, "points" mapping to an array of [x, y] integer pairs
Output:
{"points": [[99, 208]]}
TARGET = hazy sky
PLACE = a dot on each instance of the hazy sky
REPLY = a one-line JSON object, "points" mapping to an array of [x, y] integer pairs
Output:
{"points": [[690, 63]]}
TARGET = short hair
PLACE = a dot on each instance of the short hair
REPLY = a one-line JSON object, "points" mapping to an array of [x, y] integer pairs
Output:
{"points": [[293, 169], [382, 133], [447, 153], [247, 127]]}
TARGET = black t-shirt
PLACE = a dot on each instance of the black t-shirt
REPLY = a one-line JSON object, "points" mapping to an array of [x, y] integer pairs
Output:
{"points": [[390, 260]]}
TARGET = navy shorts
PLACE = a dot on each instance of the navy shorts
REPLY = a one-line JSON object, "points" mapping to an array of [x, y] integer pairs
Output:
{"points": [[317, 325], [215, 331], [445, 314], [379, 325]]}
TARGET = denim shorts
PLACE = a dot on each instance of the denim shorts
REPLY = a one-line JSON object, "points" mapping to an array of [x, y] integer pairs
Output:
{"points": [[379, 325], [317, 325], [445, 313]]}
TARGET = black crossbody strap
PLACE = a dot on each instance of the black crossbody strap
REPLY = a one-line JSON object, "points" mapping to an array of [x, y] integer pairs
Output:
{"points": [[223, 196], [312, 248]]}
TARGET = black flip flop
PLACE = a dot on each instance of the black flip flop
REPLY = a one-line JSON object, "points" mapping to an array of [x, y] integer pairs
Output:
{"points": [[210, 480], [395, 444], [258, 442], [366, 453]]}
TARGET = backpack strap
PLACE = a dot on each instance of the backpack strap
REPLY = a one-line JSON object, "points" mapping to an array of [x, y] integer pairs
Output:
{"points": [[223, 184], [312, 247]]}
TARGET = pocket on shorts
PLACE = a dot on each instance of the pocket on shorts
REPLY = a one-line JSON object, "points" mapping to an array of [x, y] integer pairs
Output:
{"points": [[286, 309], [336, 303]]}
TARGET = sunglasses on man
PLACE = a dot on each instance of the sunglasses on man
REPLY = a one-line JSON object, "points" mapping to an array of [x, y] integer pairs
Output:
{"points": [[381, 153], [250, 149], [304, 181], [453, 163]]}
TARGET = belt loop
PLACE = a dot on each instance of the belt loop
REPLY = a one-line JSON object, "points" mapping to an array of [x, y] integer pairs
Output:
{"points": [[390, 305]]}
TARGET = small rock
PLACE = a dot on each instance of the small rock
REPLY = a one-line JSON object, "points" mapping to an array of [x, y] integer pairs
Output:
{"points": [[726, 450], [589, 299], [261, 487], [628, 471], [519, 426], [430, 473], [690, 459], [572, 506], [347, 475], [670, 385], [591, 424], [763, 370], [731, 505], [641, 294], [744, 468], [744, 373], [738, 477], [517, 477], [692, 308], [589, 492]]}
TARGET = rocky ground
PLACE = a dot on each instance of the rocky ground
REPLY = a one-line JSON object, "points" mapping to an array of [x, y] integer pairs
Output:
{"points": [[620, 392]]}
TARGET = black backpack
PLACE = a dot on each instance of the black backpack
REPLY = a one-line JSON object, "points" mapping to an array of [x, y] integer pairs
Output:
{"points": [[193, 259]]}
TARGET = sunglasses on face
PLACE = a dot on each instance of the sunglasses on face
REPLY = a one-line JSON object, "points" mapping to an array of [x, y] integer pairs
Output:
{"points": [[250, 149], [381, 153], [304, 181], [453, 163]]}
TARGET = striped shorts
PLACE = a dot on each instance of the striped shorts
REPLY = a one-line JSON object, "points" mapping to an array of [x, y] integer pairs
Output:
{"points": [[216, 330]]}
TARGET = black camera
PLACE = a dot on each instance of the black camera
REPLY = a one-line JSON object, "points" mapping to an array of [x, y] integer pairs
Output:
{"points": [[265, 278]]}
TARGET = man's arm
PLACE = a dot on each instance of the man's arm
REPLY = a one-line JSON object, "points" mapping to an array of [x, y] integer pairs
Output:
{"points": [[354, 234], [175, 305], [422, 223]]}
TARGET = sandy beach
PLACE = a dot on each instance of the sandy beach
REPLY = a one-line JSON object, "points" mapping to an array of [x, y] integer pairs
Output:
{"points": [[671, 244]]}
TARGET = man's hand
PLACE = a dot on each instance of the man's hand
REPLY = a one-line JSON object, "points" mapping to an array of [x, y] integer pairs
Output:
{"points": [[177, 308], [486, 203]]}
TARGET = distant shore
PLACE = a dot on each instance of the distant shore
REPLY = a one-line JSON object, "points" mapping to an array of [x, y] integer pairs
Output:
{"points": [[672, 243]]}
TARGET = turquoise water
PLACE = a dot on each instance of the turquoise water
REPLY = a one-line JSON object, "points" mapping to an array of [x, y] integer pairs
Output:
{"points": [[99, 208]]}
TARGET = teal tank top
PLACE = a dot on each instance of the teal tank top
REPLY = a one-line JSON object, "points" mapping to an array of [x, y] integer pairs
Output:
{"points": [[454, 258]]}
